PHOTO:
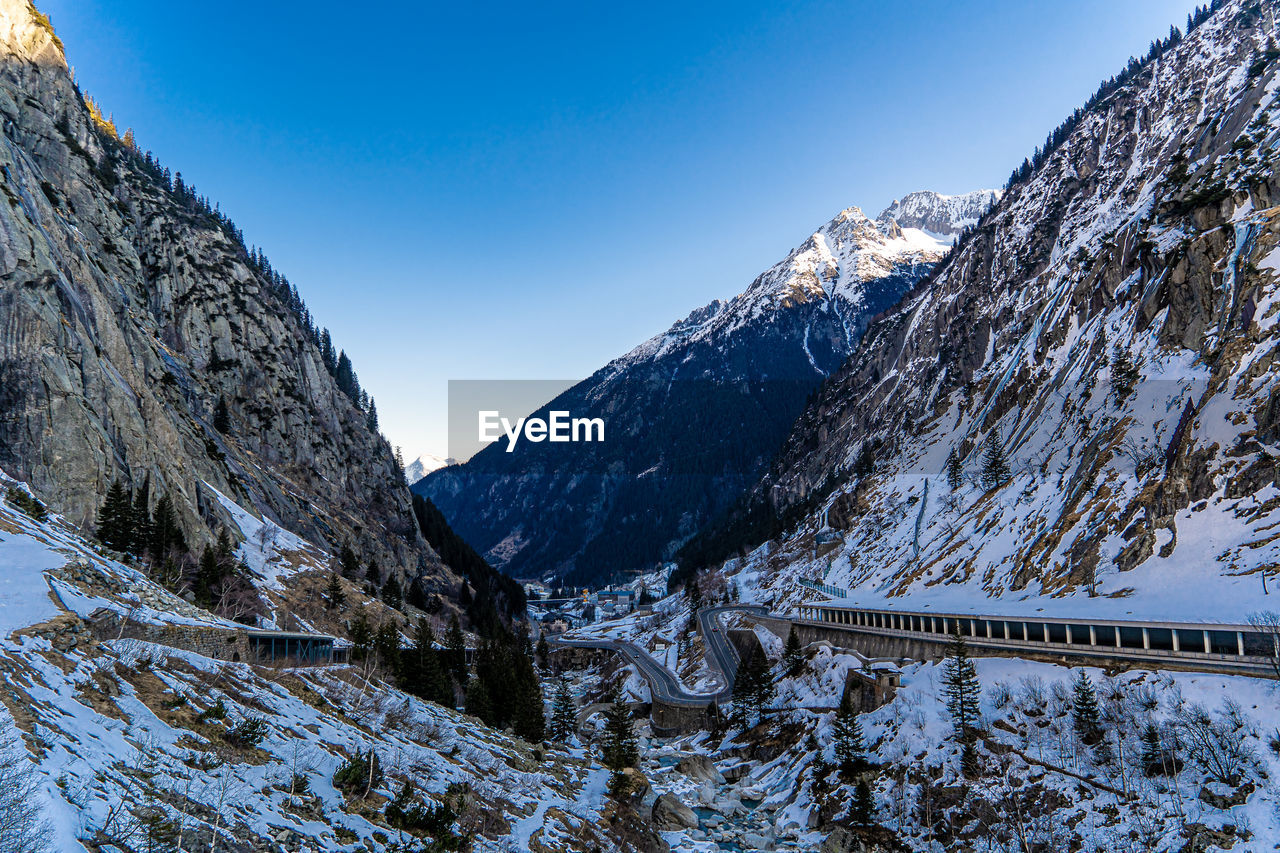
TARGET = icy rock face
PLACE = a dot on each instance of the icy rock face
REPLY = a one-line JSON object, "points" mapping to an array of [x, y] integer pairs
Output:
{"points": [[1112, 323], [944, 215], [693, 415], [125, 314]]}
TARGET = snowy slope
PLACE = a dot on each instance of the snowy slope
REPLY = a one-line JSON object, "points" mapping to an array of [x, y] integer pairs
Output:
{"points": [[117, 730], [1148, 237]]}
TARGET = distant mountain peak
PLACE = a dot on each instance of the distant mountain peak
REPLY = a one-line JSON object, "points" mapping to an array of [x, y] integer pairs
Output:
{"points": [[424, 465], [937, 214]]}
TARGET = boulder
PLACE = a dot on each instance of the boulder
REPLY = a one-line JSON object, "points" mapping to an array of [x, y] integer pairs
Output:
{"points": [[700, 767], [671, 814]]}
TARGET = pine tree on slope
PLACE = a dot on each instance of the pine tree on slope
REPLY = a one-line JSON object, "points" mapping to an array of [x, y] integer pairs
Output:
{"points": [[995, 468], [563, 717], [1086, 719], [848, 741], [864, 804], [955, 470], [115, 519], [619, 750], [793, 655], [963, 694]]}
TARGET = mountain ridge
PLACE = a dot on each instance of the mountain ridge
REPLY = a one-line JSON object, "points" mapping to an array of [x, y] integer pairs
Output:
{"points": [[725, 383]]}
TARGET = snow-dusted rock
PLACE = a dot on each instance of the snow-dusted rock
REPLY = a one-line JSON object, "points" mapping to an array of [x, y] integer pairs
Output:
{"points": [[669, 813]]}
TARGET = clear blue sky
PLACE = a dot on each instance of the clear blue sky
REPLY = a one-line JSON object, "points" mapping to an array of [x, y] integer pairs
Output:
{"points": [[526, 190]]}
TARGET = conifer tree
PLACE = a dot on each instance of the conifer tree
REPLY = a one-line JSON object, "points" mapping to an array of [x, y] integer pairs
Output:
{"points": [[334, 597], [753, 688], [529, 718], [864, 804], [955, 470], [141, 512], [963, 693], [542, 651], [1086, 719], [348, 562], [166, 533], [115, 519], [420, 668], [793, 655], [416, 597], [386, 647], [478, 703], [693, 592], [995, 468], [373, 573], [391, 593], [456, 651], [361, 635], [848, 742], [563, 718], [619, 750], [207, 577]]}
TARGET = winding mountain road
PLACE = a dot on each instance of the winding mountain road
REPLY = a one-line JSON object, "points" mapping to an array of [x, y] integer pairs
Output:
{"points": [[663, 684]]}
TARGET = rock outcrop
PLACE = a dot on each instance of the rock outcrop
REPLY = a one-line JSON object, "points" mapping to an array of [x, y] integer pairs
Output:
{"points": [[128, 309]]}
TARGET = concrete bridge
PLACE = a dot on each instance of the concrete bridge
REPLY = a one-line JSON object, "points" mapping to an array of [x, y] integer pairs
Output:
{"points": [[675, 710], [1232, 648]]}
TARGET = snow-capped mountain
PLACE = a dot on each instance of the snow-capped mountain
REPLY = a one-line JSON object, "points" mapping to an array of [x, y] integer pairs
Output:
{"points": [[693, 414], [1110, 326], [938, 214], [424, 465]]}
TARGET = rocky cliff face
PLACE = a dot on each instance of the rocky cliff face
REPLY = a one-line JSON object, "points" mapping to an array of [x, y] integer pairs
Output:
{"points": [[936, 213], [693, 415], [127, 311], [1110, 326]]}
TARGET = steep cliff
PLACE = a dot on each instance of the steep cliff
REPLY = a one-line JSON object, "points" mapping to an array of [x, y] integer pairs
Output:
{"points": [[1108, 331], [128, 309]]}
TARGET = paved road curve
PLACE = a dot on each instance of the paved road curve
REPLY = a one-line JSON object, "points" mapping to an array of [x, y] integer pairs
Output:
{"points": [[662, 683]]}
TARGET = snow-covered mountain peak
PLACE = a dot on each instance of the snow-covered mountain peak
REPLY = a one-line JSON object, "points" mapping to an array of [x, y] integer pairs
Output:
{"points": [[942, 216], [424, 465]]}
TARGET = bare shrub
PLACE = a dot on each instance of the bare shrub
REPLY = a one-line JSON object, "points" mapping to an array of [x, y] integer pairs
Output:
{"points": [[22, 828], [1217, 743]]}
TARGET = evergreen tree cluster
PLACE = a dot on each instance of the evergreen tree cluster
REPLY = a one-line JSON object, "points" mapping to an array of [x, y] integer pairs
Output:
{"points": [[219, 582], [1059, 135], [564, 718], [505, 689], [493, 599], [793, 654], [995, 467], [26, 503]]}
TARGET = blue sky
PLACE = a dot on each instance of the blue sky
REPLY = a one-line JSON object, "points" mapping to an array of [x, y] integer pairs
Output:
{"points": [[527, 190]]}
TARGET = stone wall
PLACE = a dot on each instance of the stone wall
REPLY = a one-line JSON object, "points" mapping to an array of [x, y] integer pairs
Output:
{"points": [[230, 644]]}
